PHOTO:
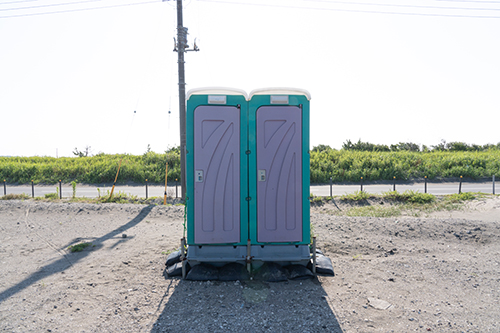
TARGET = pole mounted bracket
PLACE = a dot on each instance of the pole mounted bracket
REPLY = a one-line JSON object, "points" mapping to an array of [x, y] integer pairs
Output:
{"points": [[181, 45], [195, 47]]}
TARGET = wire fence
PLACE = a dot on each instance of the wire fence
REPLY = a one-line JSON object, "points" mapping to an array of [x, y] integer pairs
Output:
{"points": [[425, 183], [146, 189], [70, 190]]}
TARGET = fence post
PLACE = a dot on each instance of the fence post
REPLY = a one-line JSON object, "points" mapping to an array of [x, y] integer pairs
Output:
{"points": [[425, 186], [32, 189], [460, 186], [60, 189], [493, 184], [361, 184], [331, 192], [146, 188], [176, 188], [394, 184], [5, 187], [314, 256]]}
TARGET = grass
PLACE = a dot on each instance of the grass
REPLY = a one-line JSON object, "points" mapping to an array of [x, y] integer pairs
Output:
{"points": [[312, 233], [22, 196], [393, 203], [119, 198], [409, 196], [79, 247], [374, 211], [356, 196], [315, 199], [51, 196], [461, 197]]}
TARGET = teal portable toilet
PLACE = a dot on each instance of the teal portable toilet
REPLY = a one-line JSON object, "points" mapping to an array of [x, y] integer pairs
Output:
{"points": [[279, 211], [247, 178], [217, 185]]}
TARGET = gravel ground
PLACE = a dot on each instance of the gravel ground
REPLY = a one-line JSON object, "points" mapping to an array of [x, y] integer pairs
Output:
{"points": [[438, 273]]}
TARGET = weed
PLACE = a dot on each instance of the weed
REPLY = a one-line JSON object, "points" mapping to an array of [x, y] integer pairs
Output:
{"points": [[409, 196], [464, 196], [419, 198], [119, 197], [73, 185], [83, 199], [374, 211], [11, 196], [313, 234], [51, 196], [356, 196], [79, 247], [317, 199]]}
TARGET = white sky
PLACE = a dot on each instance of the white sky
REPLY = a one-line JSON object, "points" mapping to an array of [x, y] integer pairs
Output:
{"points": [[75, 78]]}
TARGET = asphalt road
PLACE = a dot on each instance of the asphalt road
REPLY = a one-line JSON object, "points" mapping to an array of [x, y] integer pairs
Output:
{"points": [[93, 191]]}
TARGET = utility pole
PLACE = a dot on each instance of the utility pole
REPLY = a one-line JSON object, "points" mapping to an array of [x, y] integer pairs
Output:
{"points": [[181, 47]]}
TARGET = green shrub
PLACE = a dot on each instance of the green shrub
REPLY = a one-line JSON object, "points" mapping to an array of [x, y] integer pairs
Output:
{"points": [[464, 196], [11, 196], [409, 196], [341, 165], [51, 196], [421, 198], [351, 165], [356, 196], [317, 199], [79, 247]]}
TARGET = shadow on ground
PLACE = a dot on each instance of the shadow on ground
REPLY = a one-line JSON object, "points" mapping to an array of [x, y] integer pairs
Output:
{"points": [[249, 306], [64, 262]]}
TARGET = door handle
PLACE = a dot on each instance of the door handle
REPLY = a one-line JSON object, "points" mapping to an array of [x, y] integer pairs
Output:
{"points": [[262, 175]]}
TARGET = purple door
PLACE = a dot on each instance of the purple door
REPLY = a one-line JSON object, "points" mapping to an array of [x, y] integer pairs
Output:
{"points": [[279, 174], [217, 174]]}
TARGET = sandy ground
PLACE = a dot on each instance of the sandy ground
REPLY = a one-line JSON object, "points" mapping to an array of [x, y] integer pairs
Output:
{"points": [[439, 273]]}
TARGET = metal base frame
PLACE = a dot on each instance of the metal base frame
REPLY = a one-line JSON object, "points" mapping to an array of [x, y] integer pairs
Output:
{"points": [[219, 255]]}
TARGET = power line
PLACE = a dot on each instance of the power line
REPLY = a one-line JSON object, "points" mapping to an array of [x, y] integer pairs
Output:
{"points": [[8, 3], [353, 10], [394, 5], [472, 1], [79, 10], [51, 5]]}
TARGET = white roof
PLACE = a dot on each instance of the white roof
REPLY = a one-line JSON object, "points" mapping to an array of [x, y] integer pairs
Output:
{"points": [[216, 91], [260, 91], [280, 91]]}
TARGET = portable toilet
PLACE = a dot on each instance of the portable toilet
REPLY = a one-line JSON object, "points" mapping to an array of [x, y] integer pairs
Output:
{"points": [[247, 178], [279, 174], [217, 185]]}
